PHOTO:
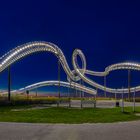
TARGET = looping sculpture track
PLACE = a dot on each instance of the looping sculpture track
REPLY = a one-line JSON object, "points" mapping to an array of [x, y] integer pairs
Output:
{"points": [[73, 75]]}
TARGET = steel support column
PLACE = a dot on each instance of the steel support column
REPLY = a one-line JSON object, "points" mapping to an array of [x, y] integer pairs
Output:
{"points": [[36, 92], [58, 103], [70, 95], [81, 96], [129, 85], [9, 84], [95, 98], [134, 100], [122, 100], [105, 86], [116, 95]]}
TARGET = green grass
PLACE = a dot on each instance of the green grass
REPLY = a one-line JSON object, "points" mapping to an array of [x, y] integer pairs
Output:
{"points": [[66, 115]]}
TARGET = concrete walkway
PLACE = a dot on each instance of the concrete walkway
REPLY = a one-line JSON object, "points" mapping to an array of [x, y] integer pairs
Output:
{"points": [[99, 103], [109, 131]]}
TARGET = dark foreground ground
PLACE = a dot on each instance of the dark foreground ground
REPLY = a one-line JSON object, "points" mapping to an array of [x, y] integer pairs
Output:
{"points": [[108, 131]]}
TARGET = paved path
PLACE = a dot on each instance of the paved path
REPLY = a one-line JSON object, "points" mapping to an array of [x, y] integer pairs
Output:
{"points": [[109, 131], [99, 103]]}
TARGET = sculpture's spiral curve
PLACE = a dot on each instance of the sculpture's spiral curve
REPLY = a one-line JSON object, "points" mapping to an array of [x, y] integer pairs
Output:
{"points": [[73, 75]]}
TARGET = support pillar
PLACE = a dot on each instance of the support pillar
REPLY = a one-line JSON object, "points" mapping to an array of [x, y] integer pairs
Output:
{"points": [[95, 98], [36, 92], [105, 86], [122, 100], [70, 94], [116, 95], [81, 96], [58, 102], [9, 84], [134, 100], [129, 85]]}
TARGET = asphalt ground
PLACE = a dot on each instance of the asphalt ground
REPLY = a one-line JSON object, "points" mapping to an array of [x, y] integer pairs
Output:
{"points": [[99, 131]]}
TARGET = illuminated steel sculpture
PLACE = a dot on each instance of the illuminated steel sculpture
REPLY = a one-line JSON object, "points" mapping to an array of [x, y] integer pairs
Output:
{"points": [[56, 83], [73, 76]]}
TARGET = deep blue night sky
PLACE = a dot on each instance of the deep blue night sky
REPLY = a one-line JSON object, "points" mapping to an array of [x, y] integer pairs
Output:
{"points": [[106, 31]]}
